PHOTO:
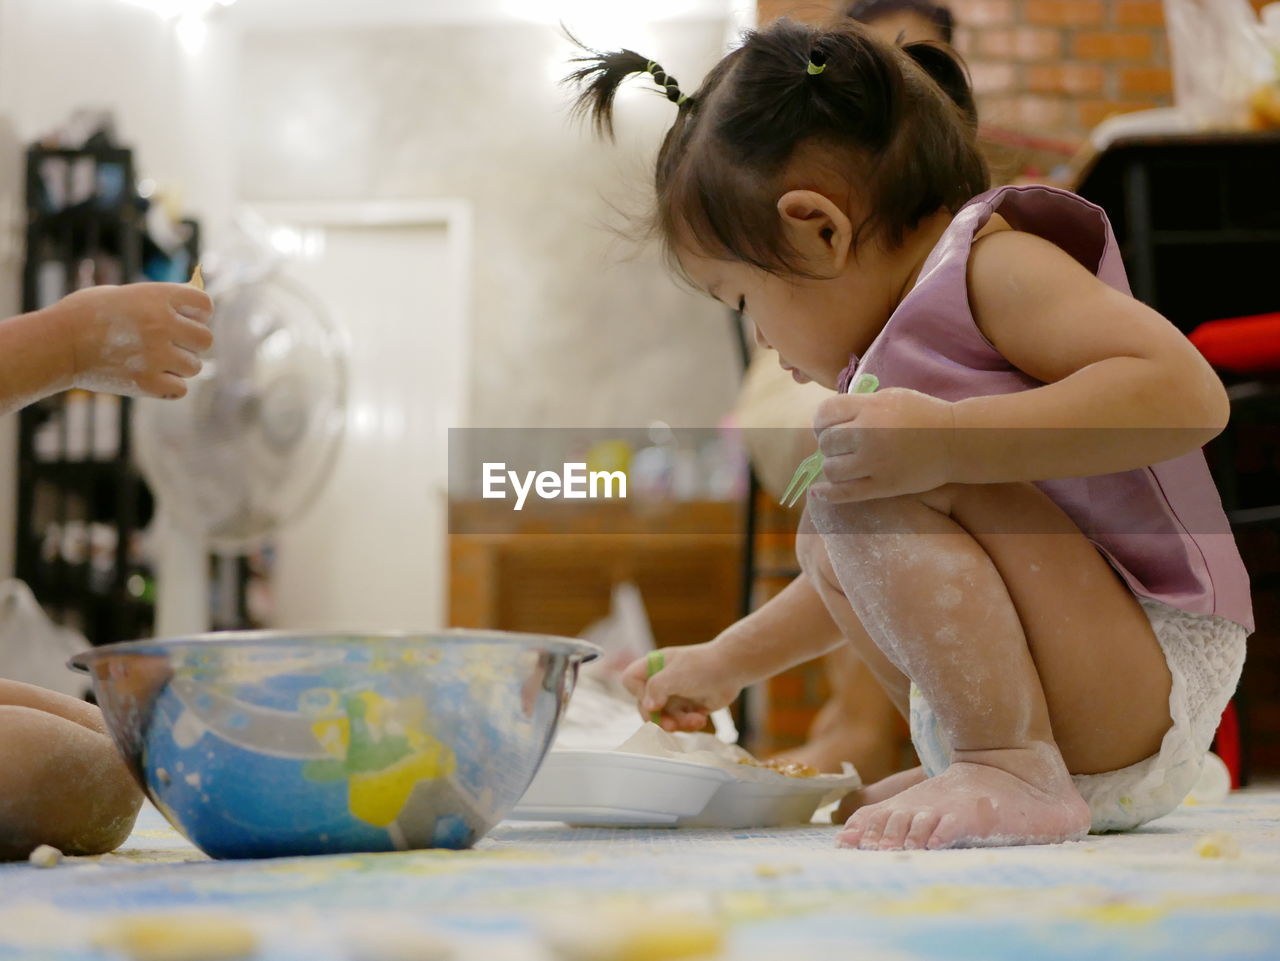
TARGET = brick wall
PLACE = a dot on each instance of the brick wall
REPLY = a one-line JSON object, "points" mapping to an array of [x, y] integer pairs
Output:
{"points": [[1060, 67], [1052, 68]]}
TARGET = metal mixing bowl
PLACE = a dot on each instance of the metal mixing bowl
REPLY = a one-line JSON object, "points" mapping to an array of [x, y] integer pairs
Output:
{"points": [[267, 744]]}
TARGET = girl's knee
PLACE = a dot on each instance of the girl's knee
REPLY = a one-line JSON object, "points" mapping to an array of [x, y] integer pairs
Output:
{"points": [[903, 512], [811, 554]]}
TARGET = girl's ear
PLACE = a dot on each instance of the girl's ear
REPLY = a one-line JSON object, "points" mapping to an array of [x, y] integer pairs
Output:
{"points": [[818, 229]]}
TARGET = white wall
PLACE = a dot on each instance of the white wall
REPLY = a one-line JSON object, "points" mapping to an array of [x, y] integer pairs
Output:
{"points": [[571, 326], [172, 106]]}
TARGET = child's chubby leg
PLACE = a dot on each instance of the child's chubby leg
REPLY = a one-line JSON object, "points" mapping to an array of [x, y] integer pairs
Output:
{"points": [[61, 780], [814, 561], [1035, 657]]}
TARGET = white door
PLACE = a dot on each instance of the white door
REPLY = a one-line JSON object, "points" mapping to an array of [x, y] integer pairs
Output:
{"points": [[370, 553]]}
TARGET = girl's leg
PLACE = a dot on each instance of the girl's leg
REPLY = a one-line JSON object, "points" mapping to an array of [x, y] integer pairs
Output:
{"points": [[894, 685], [811, 552], [1033, 654], [62, 781]]}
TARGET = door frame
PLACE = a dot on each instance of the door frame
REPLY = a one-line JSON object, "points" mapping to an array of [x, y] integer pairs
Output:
{"points": [[453, 214]]}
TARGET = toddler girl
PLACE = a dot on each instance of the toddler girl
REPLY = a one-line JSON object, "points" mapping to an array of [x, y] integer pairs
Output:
{"points": [[1017, 531]]}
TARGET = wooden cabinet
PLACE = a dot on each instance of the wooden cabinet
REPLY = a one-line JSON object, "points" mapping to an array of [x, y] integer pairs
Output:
{"points": [[552, 571]]}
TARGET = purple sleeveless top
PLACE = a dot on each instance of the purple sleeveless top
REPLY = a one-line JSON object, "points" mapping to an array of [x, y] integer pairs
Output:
{"points": [[1162, 527]]}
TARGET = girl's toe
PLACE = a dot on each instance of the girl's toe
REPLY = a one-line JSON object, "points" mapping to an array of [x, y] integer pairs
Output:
{"points": [[922, 827], [852, 832], [945, 834], [876, 821], [895, 831]]}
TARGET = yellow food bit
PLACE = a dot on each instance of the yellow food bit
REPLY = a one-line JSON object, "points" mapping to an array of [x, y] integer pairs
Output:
{"points": [[1220, 844], [1124, 913], [197, 278], [640, 936], [672, 940], [783, 766], [176, 938], [775, 870]]}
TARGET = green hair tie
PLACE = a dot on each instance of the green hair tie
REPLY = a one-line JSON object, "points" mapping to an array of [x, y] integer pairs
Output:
{"points": [[815, 68]]}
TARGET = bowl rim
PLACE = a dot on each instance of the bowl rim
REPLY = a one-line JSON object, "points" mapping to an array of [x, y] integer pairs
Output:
{"points": [[235, 640]]}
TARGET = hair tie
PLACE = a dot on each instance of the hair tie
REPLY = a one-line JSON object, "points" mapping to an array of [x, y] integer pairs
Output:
{"points": [[817, 63], [667, 83]]}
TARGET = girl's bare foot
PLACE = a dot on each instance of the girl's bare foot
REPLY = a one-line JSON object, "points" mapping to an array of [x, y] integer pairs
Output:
{"points": [[994, 798]]}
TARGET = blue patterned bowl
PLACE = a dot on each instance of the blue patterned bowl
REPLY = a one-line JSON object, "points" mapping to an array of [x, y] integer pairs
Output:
{"points": [[269, 744]]}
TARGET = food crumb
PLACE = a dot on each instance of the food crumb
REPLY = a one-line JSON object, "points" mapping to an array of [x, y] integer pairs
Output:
{"points": [[1219, 844], [782, 766], [775, 870], [45, 856], [172, 938], [637, 935]]}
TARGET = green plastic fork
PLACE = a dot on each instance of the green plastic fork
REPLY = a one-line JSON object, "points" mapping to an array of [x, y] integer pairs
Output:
{"points": [[811, 466], [656, 661]]}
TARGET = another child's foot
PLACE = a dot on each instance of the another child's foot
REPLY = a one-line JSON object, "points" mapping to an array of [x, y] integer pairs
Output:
{"points": [[975, 804], [876, 792]]}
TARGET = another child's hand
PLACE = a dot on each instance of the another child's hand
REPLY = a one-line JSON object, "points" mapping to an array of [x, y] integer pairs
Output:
{"points": [[139, 339], [885, 444], [694, 681]]}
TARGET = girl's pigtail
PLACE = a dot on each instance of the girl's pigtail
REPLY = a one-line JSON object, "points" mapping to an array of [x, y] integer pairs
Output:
{"points": [[945, 69], [600, 77]]}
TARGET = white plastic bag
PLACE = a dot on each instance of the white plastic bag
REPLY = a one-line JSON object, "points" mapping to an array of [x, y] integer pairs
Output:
{"points": [[1220, 58], [34, 649]]}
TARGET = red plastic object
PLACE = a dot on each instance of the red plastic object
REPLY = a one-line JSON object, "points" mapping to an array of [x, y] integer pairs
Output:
{"points": [[1226, 743], [1242, 345]]}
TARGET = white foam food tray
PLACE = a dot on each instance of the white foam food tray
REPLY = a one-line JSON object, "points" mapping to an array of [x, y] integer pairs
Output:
{"points": [[611, 788]]}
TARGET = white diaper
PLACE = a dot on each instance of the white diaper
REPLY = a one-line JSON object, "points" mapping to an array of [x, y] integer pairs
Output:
{"points": [[1205, 654]]}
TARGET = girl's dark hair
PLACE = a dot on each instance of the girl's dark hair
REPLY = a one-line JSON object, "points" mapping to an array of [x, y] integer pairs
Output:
{"points": [[867, 11], [898, 123]]}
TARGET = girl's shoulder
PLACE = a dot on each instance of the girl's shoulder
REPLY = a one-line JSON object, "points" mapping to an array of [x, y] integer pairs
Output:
{"points": [[1011, 269], [1047, 313], [1068, 221]]}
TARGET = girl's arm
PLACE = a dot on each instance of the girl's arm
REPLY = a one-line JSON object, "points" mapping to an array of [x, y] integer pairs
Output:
{"points": [[1123, 387], [791, 628], [36, 359], [139, 339], [698, 679]]}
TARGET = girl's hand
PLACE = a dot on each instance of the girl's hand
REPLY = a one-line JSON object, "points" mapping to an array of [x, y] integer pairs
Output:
{"points": [[139, 339], [892, 442], [695, 681]]}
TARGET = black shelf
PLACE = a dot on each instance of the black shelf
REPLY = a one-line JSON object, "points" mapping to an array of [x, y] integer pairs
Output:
{"points": [[80, 495], [1197, 217], [1174, 238]]}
